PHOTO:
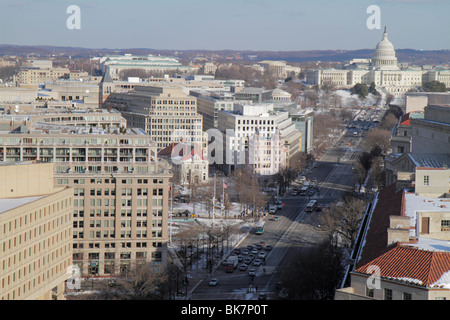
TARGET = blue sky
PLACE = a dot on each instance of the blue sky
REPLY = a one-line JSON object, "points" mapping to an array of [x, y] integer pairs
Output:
{"points": [[274, 25]]}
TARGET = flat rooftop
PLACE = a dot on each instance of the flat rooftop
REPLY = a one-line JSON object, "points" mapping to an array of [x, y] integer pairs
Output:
{"points": [[7, 204]]}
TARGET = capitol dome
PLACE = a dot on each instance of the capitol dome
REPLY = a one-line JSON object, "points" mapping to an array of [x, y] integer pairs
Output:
{"points": [[384, 54]]}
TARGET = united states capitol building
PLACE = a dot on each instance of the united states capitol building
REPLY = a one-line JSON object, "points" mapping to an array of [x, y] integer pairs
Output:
{"points": [[383, 70]]}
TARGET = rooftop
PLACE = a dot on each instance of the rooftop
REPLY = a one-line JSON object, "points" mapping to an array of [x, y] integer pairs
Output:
{"points": [[413, 265], [425, 262], [7, 204]]}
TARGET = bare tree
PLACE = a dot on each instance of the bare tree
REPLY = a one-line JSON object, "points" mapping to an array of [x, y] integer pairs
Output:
{"points": [[314, 273], [344, 218], [141, 282], [389, 98], [389, 121], [377, 137], [298, 162]]}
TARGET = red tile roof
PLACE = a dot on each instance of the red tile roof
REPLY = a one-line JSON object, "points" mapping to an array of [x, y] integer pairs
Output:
{"points": [[408, 264], [397, 261], [405, 120]]}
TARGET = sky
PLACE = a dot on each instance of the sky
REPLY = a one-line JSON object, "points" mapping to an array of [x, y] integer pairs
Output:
{"points": [[272, 25]]}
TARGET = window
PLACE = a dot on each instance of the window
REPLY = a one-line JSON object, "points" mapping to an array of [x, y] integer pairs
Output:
{"points": [[426, 180], [445, 225], [387, 294], [407, 296]]}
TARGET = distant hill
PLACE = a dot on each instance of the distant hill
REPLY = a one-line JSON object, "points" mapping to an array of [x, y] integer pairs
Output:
{"points": [[419, 57]]}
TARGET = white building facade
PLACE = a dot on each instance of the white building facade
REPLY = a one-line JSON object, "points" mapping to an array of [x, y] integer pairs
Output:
{"points": [[383, 70]]}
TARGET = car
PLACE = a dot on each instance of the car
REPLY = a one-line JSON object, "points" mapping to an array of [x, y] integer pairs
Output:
{"points": [[294, 193], [274, 218], [243, 267], [268, 248], [240, 258], [258, 246], [262, 296], [252, 272], [245, 252], [262, 255], [112, 283], [262, 243], [257, 262], [279, 204], [255, 251], [213, 282], [237, 251], [247, 261], [283, 294], [249, 247], [319, 207], [251, 256]]}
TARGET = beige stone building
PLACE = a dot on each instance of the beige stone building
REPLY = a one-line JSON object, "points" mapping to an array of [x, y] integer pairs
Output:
{"points": [[36, 232], [167, 115], [34, 75], [431, 134], [120, 191]]}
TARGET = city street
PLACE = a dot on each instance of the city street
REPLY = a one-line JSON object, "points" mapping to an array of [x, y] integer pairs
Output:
{"points": [[295, 229]]}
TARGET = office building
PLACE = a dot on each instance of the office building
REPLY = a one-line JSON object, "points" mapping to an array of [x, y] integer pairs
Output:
{"points": [[114, 65], [246, 122], [36, 220], [120, 191], [166, 113]]}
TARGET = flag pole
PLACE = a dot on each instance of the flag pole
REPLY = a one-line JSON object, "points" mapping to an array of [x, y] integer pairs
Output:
{"points": [[214, 200]]}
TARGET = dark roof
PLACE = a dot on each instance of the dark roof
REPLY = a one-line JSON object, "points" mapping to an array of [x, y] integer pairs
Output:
{"points": [[389, 203]]}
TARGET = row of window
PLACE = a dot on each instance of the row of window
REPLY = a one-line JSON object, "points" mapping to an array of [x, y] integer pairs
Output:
{"points": [[156, 212], [32, 283], [111, 245], [388, 294]]}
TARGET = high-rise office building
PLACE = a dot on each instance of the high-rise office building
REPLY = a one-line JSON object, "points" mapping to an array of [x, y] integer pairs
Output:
{"points": [[166, 113], [35, 232], [120, 204]]}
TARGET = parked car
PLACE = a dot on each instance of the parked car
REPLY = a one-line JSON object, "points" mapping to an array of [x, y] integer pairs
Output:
{"points": [[279, 204], [262, 255], [257, 262], [243, 267], [112, 283], [268, 248], [213, 282], [274, 218], [252, 272]]}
